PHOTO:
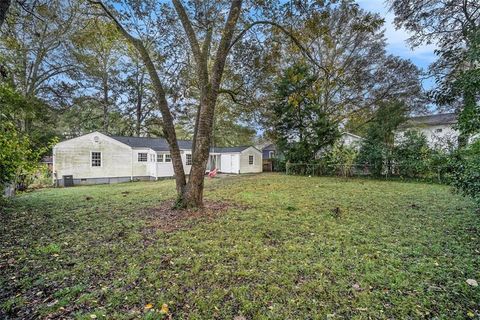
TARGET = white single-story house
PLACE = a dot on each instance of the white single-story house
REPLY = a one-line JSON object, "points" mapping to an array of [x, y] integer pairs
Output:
{"points": [[437, 128], [98, 158]]}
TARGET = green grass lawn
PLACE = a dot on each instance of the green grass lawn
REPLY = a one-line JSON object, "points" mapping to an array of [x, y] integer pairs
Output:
{"points": [[283, 251]]}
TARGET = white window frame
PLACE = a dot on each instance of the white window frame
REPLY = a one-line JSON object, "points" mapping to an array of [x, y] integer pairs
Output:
{"points": [[91, 159], [168, 158], [271, 154], [253, 160], [142, 153], [188, 161], [160, 157]]}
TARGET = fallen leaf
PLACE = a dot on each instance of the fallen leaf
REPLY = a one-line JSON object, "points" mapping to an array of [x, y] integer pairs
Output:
{"points": [[164, 309], [93, 316], [472, 282], [356, 287], [149, 306]]}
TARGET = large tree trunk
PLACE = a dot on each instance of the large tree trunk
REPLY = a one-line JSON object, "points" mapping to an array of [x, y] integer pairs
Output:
{"points": [[138, 113], [105, 104], [193, 195]]}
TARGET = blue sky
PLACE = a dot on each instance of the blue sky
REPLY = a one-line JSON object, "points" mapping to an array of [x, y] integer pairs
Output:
{"points": [[421, 56]]}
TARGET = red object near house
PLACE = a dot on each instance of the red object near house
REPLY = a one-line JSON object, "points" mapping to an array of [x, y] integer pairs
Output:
{"points": [[213, 173]]}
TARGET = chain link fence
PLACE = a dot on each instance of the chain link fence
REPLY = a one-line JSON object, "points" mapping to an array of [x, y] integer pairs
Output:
{"points": [[438, 174]]}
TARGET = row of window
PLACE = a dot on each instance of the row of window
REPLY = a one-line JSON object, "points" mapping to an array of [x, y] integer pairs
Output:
{"points": [[143, 157], [96, 158]]}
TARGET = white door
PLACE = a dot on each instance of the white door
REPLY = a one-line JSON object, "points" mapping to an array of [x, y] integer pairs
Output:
{"points": [[226, 160], [235, 163]]}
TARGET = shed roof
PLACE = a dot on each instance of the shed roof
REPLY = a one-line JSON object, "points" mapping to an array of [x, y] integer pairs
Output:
{"points": [[431, 120], [228, 149]]}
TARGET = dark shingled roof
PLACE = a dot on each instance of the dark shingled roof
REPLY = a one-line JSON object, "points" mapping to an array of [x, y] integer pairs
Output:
{"points": [[228, 149], [157, 144], [431, 120], [270, 147], [161, 144]]}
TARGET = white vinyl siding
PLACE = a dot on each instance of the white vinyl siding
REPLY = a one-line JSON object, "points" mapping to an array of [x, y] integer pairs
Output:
{"points": [[249, 165], [74, 157]]}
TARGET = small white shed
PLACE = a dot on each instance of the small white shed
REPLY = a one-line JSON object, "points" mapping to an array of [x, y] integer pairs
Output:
{"points": [[246, 159]]}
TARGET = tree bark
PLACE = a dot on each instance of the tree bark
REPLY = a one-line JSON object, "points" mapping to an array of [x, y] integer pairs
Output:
{"points": [[193, 197], [168, 125], [105, 103], [190, 195]]}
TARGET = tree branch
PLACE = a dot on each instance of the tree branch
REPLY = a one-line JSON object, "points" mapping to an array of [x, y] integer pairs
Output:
{"points": [[168, 125], [187, 26], [304, 50]]}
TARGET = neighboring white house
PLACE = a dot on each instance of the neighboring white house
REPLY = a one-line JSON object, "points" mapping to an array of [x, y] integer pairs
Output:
{"points": [[351, 140], [99, 158], [346, 139], [437, 128]]}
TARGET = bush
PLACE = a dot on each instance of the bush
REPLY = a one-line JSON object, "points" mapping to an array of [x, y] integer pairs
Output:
{"points": [[412, 157], [16, 155], [339, 160], [466, 171], [41, 179], [279, 164]]}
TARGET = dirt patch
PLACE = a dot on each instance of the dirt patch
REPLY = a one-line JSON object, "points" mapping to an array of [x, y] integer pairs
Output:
{"points": [[165, 218]]}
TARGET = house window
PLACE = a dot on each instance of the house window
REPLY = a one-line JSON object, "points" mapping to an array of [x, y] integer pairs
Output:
{"points": [[96, 159], [438, 130], [250, 160], [168, 158], [189, 159], [159, 157], [142, 157], [271, 154]]}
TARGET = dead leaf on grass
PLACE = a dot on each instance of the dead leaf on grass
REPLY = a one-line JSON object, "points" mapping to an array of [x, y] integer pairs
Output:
{"points": [[472, 282], [164, 309]]}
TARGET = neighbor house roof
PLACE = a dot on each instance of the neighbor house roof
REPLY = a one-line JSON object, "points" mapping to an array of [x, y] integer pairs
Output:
{"points": [[228, 149], [161, 144], [270, 147], [431, 120], [157, 144]]}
